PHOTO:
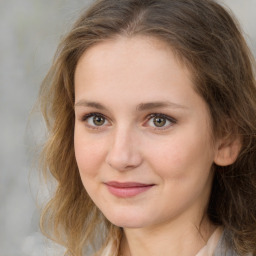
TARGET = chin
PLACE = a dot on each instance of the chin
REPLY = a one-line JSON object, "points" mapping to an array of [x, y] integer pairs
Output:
{"points": [[127, 220]]}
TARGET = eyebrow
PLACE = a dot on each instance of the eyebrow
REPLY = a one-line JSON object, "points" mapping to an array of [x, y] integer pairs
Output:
{"points": [[158, 104], [140, 107], [84, 103]]}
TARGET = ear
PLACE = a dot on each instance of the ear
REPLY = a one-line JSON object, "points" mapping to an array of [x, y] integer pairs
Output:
{"points": [[227, 150]]}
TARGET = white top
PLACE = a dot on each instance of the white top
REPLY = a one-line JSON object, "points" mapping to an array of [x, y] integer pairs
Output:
{"points": [[209, 248]]}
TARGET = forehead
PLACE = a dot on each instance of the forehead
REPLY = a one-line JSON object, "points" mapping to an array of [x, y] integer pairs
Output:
{"points": [[132, 43], [141, 51], [130, 60]]}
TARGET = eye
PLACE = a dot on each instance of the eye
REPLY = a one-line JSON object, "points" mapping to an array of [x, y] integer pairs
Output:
{"points": [[95, 120], [160, 121]]}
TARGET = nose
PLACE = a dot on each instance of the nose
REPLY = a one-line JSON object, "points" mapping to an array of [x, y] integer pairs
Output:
{"points": [[124, 153]]}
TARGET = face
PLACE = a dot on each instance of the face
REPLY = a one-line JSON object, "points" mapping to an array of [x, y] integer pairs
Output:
{"points": [[142, 134]]}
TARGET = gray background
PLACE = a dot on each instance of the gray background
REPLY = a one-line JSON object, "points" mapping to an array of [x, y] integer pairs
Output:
{"points": [[29, 34]]}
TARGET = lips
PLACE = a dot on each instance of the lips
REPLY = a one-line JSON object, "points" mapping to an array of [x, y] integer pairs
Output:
{"points": [[127, 189]]}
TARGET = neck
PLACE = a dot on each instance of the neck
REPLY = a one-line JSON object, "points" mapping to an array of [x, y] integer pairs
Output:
{"points": [[181, 238]]}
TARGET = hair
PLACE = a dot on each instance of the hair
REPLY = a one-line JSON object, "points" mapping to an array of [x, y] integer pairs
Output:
{"points": [[209, 41]]}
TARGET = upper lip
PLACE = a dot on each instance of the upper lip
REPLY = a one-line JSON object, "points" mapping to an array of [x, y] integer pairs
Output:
{"points": [[126, 184]]}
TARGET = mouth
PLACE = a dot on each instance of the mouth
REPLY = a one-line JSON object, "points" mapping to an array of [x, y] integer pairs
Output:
{"points": [[127, 189]]}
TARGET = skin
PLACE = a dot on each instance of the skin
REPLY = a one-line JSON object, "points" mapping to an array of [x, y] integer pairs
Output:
{"points": [[117, 79]]}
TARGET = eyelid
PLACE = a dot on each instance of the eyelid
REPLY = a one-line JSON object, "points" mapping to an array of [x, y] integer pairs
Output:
{"points": [[171, 119], [86, 116]]}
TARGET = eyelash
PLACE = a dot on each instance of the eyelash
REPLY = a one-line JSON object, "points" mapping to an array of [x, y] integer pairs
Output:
{"points": [[148, 118]]}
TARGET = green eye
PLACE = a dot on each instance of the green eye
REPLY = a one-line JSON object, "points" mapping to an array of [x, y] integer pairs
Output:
{"points": [[95, 120], [98, 120], [159, 121]]}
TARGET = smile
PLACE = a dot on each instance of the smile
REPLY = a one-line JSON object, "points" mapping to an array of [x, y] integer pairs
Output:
{"points": [[127, 189]]}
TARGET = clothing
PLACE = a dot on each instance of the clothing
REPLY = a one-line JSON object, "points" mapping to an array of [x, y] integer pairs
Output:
{"points": [[223, 250], [213, 243], [215, 246]]}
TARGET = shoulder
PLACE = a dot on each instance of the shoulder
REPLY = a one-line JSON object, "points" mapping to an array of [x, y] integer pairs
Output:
{"points": [[223, 249]]}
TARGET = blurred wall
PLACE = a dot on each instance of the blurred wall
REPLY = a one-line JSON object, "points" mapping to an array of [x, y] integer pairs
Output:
{"points": [[30, 31]]}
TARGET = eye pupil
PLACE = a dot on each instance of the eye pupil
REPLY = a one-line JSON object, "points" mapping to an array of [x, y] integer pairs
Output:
{"points": [[159, 121], [98, 120]]}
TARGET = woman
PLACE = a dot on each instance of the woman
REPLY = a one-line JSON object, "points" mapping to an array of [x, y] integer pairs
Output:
{"points": [[151, 111]]}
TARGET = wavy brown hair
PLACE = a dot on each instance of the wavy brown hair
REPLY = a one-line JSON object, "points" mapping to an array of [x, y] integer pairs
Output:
{"points": [[208, 40]]}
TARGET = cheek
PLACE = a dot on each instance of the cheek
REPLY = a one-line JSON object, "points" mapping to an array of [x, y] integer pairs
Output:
{"points": [[89, 154], [184, 167], [169, 153], [182, 156]]}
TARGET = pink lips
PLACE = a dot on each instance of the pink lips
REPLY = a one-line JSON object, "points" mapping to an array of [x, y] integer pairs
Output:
{"points": [[127, 189]]}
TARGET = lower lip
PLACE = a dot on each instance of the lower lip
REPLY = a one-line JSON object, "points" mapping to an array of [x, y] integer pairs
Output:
{"points": [[125, 192]]}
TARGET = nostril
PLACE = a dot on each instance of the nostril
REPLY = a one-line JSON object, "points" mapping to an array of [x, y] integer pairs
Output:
{"points": [[123, 168]]}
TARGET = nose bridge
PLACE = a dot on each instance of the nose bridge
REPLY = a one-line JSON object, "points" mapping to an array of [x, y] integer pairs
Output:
{"points": [[122, 137], [123, 152]]}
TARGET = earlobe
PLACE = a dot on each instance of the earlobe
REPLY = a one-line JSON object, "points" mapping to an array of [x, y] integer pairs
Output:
{"points": [[227, 151]]}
